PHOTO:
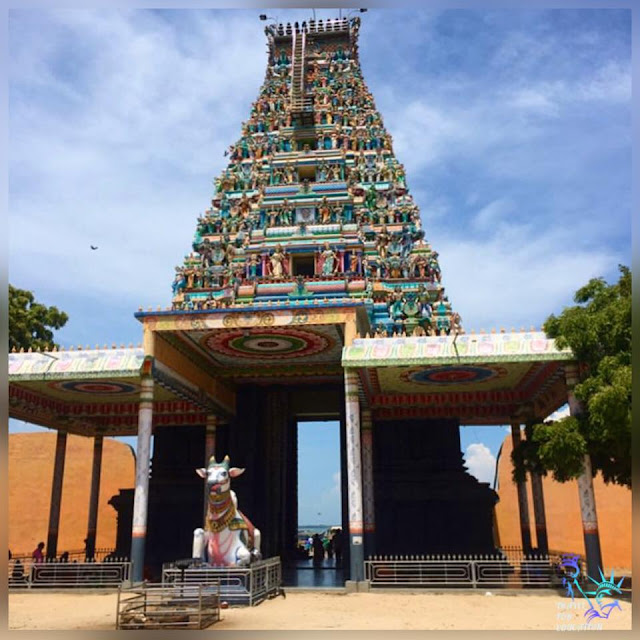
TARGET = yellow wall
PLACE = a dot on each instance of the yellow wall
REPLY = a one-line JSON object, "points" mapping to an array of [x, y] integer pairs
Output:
{"points": [[562, 507], [31, 457]]}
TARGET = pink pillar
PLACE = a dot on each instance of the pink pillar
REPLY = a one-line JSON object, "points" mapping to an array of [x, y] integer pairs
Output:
{"points": [[366, 432], [354, 474]]}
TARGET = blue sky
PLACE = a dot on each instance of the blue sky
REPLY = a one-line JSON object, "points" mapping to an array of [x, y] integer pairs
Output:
{"points": [[514, 127]]}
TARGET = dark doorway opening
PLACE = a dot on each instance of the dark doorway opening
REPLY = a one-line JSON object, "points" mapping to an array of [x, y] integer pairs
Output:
{"points": [[303, 265], [306, 173], [320, 513]]}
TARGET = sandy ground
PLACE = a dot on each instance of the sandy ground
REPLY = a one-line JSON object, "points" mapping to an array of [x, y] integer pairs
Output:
{"points": [[331, 611]]}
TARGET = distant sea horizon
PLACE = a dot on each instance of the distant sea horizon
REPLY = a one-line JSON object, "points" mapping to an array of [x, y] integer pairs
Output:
{"points": [[315, 527]]}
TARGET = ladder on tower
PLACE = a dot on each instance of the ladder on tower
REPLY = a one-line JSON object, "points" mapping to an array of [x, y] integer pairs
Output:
{"points": [[301, 106]]}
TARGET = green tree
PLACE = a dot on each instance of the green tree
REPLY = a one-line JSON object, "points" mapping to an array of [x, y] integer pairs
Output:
{"points": [[30, 322], [598, 331]]}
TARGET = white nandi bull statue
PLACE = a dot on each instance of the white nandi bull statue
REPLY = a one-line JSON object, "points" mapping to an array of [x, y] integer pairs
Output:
{"points": [[228, 537]]}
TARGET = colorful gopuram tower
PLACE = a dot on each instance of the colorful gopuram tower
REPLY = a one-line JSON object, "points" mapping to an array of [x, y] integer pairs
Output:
{"points": [[313, 205]]}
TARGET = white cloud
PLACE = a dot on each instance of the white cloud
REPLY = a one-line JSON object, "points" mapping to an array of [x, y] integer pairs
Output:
{"points": [[518, 275], [610, 83], [560, 413], [480, 462], [493, 213], [335, 489], [534, 100]]}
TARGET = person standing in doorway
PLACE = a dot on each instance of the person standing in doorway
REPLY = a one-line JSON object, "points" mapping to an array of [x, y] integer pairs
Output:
{"points": [[318, 550], [337, 546]]}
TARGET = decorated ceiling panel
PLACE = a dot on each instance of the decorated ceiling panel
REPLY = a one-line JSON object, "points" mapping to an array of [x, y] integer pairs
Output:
{"points": [[270, 347], [450, 377], [102, 390]]}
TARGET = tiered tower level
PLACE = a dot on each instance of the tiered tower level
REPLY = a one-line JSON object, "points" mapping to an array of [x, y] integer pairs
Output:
{"points": [[313, 205]]}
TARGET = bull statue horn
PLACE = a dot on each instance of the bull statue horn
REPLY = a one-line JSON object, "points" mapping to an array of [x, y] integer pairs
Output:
{"points": [[212, 461], [227, 459]]}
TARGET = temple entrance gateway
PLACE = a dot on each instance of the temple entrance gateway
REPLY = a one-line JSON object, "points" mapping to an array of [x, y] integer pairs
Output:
{"points": [[310, 292]]}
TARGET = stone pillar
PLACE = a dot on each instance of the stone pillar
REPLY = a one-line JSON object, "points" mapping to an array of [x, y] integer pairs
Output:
{"points": [[90, 546], [274, 467], [537, 493], [523, 502], [56, 495], [209, 452], [585, 488], [542, 540], [367, 482], [141, 495], [354, 475]]}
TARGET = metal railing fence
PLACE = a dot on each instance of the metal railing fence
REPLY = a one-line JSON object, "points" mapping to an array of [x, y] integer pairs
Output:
{"points": [[470, 571], [238, 585], [56, 574], [100, 555]]}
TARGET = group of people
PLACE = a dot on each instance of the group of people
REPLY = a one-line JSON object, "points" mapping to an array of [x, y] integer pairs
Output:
{"points": [[18, 574], [325, 546]]}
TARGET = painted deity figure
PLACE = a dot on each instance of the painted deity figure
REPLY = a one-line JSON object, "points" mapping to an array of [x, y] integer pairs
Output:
{"points": [[224, 206], [329, 260], [325, 211], [283, 59], [354, 261], [244, 206], [252, 266], [273, 216], [411, 306], [228, 538], [277, 260], [218, 254], [371, 198], [396, 302], [179, 281], [382, 242], [434, 267], [381, 331], [286, 213], [420, 263]]}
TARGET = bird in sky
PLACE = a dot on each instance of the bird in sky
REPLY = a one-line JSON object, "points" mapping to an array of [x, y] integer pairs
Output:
{"points": [[92, 247]]}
